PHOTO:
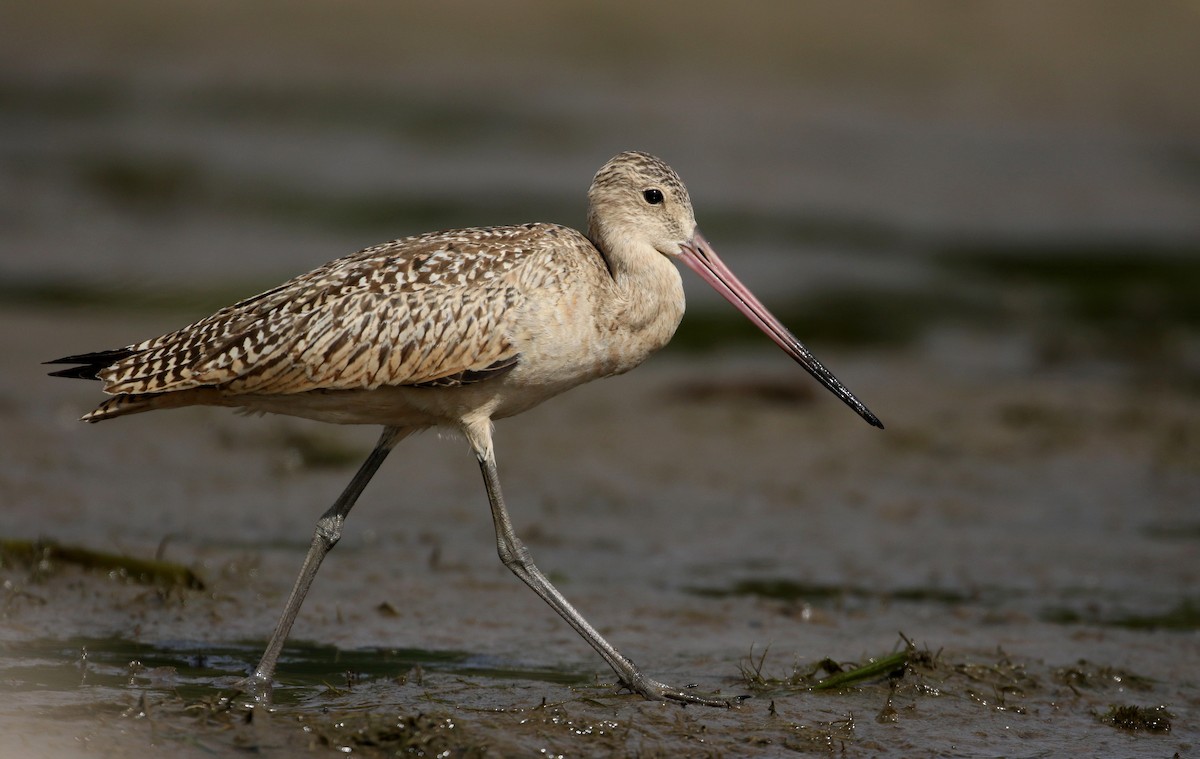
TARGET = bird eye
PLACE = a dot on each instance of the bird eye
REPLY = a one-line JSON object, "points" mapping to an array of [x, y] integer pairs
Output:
{"points": [[653, 196]]}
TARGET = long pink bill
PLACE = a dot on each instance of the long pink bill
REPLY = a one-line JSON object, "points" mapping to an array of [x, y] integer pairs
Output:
{"points": [[700, 258]]}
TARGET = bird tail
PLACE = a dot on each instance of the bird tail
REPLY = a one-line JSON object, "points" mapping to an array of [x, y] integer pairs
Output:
{"points": [[130, 403], [120, 405], [90, 365]]}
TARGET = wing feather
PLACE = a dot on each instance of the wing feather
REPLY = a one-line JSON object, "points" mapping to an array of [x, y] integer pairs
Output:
{"points": [[428, 310]]}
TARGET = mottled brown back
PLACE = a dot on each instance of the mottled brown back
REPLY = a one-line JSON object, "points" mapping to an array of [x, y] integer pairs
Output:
{"points": [[434, 309]]}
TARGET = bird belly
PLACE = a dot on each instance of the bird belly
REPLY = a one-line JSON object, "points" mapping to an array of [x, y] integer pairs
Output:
{"points": [[392, 406]]}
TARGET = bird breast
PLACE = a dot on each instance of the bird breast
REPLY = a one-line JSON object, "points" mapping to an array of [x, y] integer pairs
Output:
{"points": [[598, 325]]}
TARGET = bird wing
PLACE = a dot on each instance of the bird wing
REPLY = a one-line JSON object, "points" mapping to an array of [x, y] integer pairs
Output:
{"points": [[436, 309]]}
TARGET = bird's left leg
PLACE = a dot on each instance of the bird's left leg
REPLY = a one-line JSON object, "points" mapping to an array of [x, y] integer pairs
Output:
{"points": [[517, 558], [326, 535]]}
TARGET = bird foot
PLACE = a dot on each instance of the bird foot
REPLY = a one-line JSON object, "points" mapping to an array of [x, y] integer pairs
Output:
{"points": [[656, 691], [257, 686]]}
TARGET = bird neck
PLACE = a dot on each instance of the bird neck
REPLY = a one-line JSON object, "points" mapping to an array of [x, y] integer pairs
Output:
{"points": [[624, 256], [647, 295]]}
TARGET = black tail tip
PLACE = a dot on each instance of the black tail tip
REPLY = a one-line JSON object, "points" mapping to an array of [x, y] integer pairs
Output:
{"points": [[76, 372], [90, 364]]}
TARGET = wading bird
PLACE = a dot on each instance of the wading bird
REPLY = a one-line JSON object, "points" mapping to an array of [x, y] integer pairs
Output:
{"points": [[451, 329]]}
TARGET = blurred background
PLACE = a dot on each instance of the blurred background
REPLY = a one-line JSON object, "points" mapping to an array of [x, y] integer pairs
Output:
{"points": [[1025, 168], [984, 217]]}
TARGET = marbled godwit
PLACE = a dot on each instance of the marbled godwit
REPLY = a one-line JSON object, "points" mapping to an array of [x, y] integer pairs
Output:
{"points": [[452, 329]]}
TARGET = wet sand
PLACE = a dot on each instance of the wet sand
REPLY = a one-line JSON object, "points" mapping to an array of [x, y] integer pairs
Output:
{"points": [[1015, 528]]}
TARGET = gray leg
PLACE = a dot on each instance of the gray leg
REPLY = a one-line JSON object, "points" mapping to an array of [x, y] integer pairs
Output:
{"points": [[326, 536], [517, 558]]}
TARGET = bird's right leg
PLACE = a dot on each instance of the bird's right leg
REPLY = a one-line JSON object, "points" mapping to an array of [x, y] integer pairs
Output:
{"points": [[325, 537], [517, 558]]}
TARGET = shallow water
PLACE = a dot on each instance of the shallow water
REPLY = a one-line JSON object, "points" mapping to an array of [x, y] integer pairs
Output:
{"points": [[1009, 283]]}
